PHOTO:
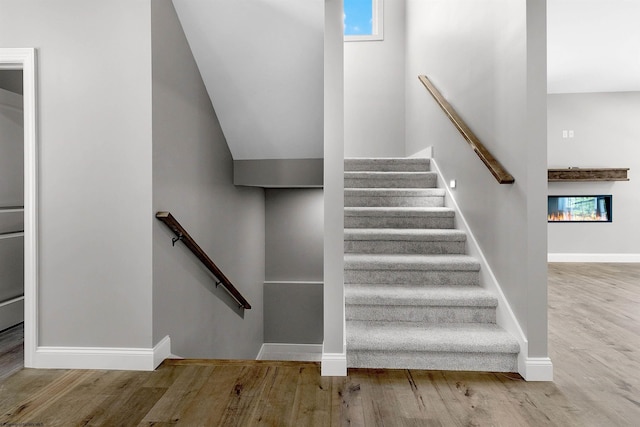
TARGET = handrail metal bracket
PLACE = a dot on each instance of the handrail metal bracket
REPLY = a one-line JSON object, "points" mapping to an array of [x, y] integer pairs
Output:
{"points": [[175, 240]]}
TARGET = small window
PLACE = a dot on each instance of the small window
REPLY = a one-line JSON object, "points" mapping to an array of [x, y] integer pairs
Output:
{"points": [[362, 20]]}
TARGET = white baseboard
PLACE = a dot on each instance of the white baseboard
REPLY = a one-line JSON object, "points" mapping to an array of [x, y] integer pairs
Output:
{"points": [[555, 257], [161, 351], [293, 282], [128, 359], [11, 313], [538, 369], [505, 317], [294, 352], [334, 364]]}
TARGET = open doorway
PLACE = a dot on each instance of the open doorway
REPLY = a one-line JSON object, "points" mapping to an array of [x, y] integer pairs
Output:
{"points": [[18, 196], [11, 221]]}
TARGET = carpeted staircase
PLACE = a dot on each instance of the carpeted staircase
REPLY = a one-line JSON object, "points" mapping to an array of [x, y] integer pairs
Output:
{"points": [[413, 298]]}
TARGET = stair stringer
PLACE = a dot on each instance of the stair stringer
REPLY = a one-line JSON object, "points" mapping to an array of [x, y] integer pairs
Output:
{"points": [[530, 368]]}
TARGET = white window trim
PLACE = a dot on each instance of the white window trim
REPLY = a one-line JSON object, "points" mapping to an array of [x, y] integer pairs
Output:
{"points": [[377, 26]]}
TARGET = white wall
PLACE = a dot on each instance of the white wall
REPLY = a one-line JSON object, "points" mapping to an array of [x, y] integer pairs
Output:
{"points": [[261, 61], [488, 59], [334, 361], [593, 45], [607, 131], [95, 212], [374, 98], [193, 179]]}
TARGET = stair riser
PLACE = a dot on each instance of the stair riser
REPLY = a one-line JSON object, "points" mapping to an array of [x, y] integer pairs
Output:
{"points": [[445, 361], [402, 247], [422, 181], [398, 222], [386, 202], [421, 314], [412, 277], [382, 165]]}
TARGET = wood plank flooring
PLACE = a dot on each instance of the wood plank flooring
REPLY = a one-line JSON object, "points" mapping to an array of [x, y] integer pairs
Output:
{"points": [[11, 351], [594, 343], [594, 340]]}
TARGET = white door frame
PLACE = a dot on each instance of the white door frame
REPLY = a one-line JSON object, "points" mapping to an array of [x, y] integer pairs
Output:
{"points": [[25, 60]]}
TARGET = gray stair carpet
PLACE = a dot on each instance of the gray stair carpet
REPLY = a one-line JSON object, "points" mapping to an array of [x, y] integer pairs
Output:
{"points": [[413, 297]]}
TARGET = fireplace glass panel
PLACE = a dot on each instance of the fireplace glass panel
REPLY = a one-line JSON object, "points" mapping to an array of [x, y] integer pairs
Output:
{"points": [[579, 208]]}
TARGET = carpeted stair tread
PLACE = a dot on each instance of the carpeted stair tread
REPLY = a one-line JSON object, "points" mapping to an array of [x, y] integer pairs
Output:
{"points": [[400, 211], [433, 296], [388, 174], [394, 192], [440, 337], [380, 197], [399, 217], [386, 164], [413, 298], [410, 262], [405, 234], [394, 179]]}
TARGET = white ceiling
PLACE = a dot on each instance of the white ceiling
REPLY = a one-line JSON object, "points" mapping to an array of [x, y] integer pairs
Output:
{"points": [[262, 64], [593, 45]]}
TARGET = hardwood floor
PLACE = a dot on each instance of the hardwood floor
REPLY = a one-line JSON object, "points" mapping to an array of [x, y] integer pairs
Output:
{"points": [[594, 340], [594, 344], [11, 351]]}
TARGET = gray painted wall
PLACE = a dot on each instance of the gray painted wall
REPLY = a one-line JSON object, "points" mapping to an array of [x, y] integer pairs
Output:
{"points": [[374, 95], [293, 266], [607, 131], [11, 80], [293, 313], [261, 61], [95, 217], [294, 229], [11, 268], [278, 172], [11, 220], [193, 178], [488, 58]]}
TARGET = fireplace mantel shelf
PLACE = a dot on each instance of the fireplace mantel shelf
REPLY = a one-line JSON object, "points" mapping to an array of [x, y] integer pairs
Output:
{"points": [[588, 174]]}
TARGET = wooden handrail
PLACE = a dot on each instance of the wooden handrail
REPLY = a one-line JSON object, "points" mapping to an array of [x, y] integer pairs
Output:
{"points": [[181, 234], [494, 166]]}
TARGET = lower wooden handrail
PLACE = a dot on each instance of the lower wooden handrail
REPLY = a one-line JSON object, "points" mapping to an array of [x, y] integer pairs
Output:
{"points": [[181, 234], [494, 166]]}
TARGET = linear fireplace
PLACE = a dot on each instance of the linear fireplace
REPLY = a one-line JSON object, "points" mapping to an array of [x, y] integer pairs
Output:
{"points": [[579, 208]]}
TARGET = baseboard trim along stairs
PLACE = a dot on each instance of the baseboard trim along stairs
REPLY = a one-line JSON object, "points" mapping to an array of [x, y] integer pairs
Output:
{"points": [[119, 358], [413, 298]]}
